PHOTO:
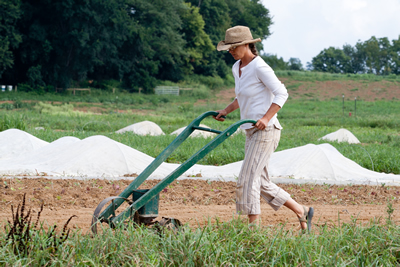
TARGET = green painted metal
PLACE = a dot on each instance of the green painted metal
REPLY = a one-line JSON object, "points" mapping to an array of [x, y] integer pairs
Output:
{"points": [[108, 212], [150, 209]]}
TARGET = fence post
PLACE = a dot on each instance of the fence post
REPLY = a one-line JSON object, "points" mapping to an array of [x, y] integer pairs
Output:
{"points": [[343, 104], [355, 106]]}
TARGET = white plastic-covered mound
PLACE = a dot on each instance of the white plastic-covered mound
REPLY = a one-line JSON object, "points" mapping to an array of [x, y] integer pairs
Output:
{"points": [[196, 133], [322, 162], [143, 128], [309, 162], [341, 135], [14, 142], [100, 156], [93, 156]]}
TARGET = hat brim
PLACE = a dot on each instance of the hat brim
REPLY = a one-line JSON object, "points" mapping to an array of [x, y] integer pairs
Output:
{"points": [[222, 46]]}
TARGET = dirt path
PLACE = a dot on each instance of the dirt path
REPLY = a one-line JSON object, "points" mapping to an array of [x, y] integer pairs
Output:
{"points": [[195, 201]]}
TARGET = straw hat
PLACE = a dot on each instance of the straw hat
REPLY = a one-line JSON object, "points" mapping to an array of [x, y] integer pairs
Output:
{"points": [[235, 36]]}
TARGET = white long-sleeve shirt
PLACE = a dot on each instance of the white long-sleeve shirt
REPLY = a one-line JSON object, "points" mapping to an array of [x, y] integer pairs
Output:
{"points": [[256, 89]]}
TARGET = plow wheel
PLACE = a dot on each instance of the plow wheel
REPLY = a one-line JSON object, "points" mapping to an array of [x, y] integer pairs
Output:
{"points": [[170, 224], [96, 220]]}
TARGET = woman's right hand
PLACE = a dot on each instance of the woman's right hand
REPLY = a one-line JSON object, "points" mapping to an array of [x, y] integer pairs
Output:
{"points": [[221, 113]]}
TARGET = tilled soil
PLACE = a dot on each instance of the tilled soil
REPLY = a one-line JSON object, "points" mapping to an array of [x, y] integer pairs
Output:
{"points": [[327, 90], [196, 201]]}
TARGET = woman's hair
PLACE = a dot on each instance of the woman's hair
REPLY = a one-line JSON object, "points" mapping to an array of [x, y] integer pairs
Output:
{"points": [[253, 49]]}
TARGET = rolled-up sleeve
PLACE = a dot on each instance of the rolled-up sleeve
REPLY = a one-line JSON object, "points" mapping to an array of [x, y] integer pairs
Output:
{"points": [[268, 78]]}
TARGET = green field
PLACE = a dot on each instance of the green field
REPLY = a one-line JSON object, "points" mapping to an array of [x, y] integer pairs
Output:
{"points": [[375, 124], [304, 120], [222, 244]]}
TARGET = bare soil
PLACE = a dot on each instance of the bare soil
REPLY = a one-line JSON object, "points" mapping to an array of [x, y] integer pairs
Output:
{"points": [[327, 90], [195, 201]]}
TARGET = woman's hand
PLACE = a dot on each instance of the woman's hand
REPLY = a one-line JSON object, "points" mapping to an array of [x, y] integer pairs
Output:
{"points": [[219, 116], [262, 123]]}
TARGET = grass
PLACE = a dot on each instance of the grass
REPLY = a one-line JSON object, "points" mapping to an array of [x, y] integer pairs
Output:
{"points": [[222, 244], [231, 243], [323, 76], [375, 124]]}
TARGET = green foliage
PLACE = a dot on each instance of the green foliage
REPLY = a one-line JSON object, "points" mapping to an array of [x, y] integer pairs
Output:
{"points": [[14, 121], [10, 13], [198, 43], [139, 43], [331, 60], [274, 62], [65, 110], [216, 244], [376, 56]]}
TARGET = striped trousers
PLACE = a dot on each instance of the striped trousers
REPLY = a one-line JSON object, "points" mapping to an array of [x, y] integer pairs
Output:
{"points": [[253, 177]]}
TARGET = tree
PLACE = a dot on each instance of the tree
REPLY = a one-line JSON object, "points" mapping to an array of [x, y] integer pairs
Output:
{"points": [[331, 60], [198, 44], [68, 39], [274, 62], [295, 64], [377, 56], [356, 64], [395, 56], [10, 37], [219, 15], [155, 46]]}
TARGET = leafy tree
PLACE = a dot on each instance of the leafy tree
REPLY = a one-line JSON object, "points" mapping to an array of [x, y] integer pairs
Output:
{"points": [[198, 44], [68, 39], [356, 63], [155, 47], [215, 14], [219, 15], [274, 62], [377, 56], [135, 42], [295, 64], [10, 37], [331, 60], [395, 56]]}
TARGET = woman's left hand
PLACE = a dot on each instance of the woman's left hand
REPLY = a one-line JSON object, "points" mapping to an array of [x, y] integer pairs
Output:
{"points": [[262, 123]]}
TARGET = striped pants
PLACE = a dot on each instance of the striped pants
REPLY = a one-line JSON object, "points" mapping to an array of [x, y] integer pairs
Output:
{"points": [[253, 177]]}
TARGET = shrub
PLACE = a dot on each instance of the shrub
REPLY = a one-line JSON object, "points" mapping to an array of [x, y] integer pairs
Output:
{"points": [[13, 122]]}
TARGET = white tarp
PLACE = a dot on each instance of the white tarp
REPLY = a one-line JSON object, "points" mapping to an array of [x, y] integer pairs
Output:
{"points": [[143, 128], [341, 135], [100, 156], [196, 133], [14, 142]]}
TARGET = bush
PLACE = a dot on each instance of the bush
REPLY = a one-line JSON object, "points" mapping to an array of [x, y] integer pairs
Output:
{"points": [[66, 109], [13, 122]]}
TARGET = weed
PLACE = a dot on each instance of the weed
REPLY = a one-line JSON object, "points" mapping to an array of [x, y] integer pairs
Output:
{"points": [[23, 234], [389, 211]]}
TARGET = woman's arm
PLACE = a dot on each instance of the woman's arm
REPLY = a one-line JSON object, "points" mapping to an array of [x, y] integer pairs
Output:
{"points": [[231, 107], [263, 122]]}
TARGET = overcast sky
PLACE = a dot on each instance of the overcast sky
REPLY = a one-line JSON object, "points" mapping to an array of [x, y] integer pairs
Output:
{"points": [[303, 28]]}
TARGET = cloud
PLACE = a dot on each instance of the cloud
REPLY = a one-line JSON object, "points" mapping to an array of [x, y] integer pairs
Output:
{"points": [[303, 28]]}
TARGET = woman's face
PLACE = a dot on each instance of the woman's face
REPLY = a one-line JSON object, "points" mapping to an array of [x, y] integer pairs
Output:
{"points": [[239, 51]]}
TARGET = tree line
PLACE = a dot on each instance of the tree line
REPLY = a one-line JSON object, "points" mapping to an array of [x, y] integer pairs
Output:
{"points": [[50, 44], [377, 56]]}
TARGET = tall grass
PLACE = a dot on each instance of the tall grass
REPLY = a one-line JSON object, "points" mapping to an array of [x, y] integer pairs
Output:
{"points": [[222, 244], [16, 121]]}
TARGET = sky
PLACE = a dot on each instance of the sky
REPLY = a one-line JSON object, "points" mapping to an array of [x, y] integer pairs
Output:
{"points": [[303, 28]]}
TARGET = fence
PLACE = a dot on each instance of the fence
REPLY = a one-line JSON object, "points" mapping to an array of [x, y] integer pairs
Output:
{"points": [[167, 90]]}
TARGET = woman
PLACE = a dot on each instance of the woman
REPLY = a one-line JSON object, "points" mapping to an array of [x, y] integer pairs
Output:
{"points": [[259, 95]]}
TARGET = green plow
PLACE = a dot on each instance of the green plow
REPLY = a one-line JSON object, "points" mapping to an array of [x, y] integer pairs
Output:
{"points": [[143, 204]]}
